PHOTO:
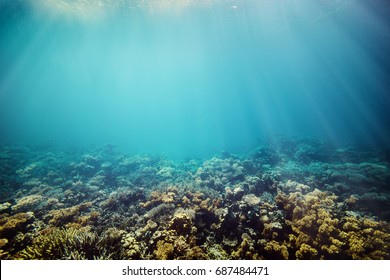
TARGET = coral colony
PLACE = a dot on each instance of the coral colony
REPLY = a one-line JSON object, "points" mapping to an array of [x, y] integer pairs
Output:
{"points": [[289, 199]]}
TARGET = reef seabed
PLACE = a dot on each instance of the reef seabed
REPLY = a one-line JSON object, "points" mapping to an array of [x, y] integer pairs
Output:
{"points": [[294, 199]]}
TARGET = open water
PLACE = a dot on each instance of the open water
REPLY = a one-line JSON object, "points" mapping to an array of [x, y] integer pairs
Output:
{"points": [[193, 78]]}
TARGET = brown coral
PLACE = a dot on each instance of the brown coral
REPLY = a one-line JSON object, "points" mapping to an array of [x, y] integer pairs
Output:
{"points": [[181, 223], [164, 250], [246, 249], [315, 229], [366, 238], [131, 247], [9, 226], [27, 202], [89, 219], [274, 250], [63, 216], [319, 232], [157, 197]]}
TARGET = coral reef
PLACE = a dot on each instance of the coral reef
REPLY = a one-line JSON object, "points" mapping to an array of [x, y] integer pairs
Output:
{"points": [[290, 199]]}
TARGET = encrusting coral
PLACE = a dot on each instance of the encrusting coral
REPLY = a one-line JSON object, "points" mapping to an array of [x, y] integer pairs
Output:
{"points": [[11, 225], [157, 198], [66, 215], [27, 202]]}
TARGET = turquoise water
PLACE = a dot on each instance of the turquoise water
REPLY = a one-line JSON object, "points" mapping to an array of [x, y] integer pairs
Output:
{"points": [[193, 78], [179, 129]]}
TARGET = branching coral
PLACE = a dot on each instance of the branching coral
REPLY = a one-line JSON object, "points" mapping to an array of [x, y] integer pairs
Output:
{"points": [[65, 244], [89, 219]]}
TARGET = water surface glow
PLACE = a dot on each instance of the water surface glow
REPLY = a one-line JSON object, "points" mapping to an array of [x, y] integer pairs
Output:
{"points": [[193, 77]]}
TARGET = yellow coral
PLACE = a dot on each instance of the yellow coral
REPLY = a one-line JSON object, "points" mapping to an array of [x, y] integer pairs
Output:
{"points": [[314, 226], [297, 213], [306, 252], [195, 253], [246, 249], [131, 246], [3, 242], [10, 225], [276, 250], [150, 226], [164, 250], [366, 238]]}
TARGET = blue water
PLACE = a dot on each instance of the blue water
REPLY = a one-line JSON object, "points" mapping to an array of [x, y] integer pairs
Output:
{"points": [[193, 78]]}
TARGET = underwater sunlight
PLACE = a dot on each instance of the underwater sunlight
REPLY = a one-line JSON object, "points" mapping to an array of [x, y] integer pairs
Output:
{"points": [[155, 127]]}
